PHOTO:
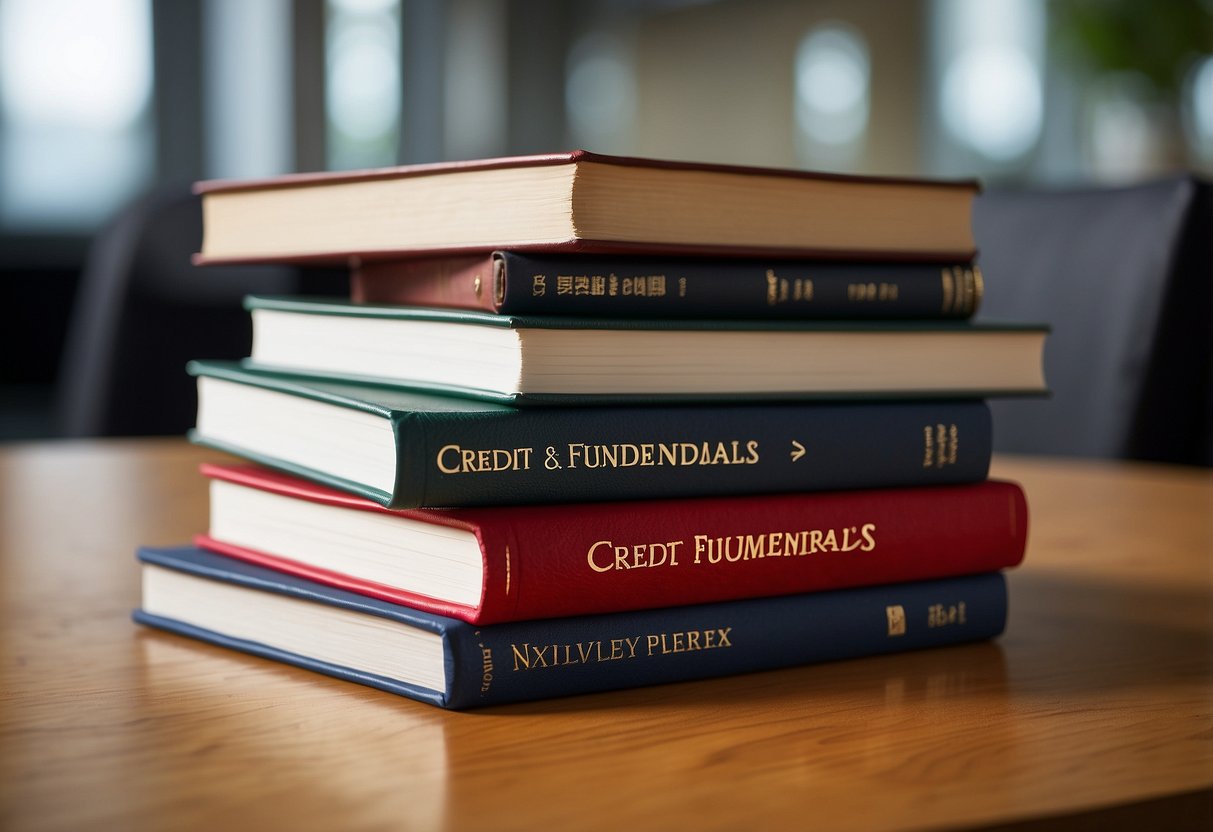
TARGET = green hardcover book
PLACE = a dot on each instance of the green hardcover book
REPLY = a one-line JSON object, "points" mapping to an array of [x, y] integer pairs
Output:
{"points": [[531, 360], [405, 449]]}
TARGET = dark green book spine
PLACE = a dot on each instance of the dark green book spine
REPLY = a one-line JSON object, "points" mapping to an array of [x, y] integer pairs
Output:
{"points": [[549, 455], [451, 452]]}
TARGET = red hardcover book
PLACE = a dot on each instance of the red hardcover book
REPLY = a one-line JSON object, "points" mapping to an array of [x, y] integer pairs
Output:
{"points": [[497, 564], [581, 202]]}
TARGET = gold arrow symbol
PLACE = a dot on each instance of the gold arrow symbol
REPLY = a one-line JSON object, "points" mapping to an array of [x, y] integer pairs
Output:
{"points": [[797, 450]]}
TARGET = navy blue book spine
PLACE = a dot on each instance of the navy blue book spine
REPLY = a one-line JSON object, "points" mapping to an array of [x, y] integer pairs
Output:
{"points": [[550, 455], [561, 657], [727, 288]]}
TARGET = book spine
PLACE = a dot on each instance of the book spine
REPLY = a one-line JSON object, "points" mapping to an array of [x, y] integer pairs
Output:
{"points": [[560, 657], [468, 282], [561, 455], [518, 284], [544, 563]]}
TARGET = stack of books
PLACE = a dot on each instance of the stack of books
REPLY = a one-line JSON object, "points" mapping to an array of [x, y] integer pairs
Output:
{"points": [[590, 423]]}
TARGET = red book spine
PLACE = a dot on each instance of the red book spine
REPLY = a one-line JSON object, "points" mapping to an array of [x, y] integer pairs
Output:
{"points": [[667, 553], [469, 282], [548, 561]]}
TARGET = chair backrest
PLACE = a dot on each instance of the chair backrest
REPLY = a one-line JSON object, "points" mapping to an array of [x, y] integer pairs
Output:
{"points": [[143, 310], [1125, 278]]}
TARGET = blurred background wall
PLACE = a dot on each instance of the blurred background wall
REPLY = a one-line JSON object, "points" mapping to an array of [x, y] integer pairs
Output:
{"points": [[104, 100]]}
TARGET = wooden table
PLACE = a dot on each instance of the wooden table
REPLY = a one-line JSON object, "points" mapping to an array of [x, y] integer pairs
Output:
{"points": [[1094, 708]]}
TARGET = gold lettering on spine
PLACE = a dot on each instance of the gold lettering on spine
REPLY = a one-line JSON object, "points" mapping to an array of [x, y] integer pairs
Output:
{"points": [[869, 540], [781, 289], [664, 644], [528, 657], [453, 459], [589, 556], [940, 445], [896, 615], [964, 289], [605, 556], [782, 544], [946, 615], [872, 292], [486, 659], [979, 288], [446, 467], [648, 454], [507, 570], [522, 658], [752, 548], [949, 291]]}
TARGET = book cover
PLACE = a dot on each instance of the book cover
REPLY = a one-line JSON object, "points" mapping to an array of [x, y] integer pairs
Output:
{"points": [[527, 360], [584, 202], [406, 449], [551, 561], [516, 283], [454, 664]]}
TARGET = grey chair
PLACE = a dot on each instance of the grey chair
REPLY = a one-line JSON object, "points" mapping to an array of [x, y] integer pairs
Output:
{"points": [[143, 310], [1125, 277]]}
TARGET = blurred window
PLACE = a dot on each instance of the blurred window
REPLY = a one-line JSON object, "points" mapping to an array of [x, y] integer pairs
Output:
{"points": [[600, 96], [475, 72], [362, 83], [76, 138], [247, 90], [833, 91], [1199, 109], [988, 60]]}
